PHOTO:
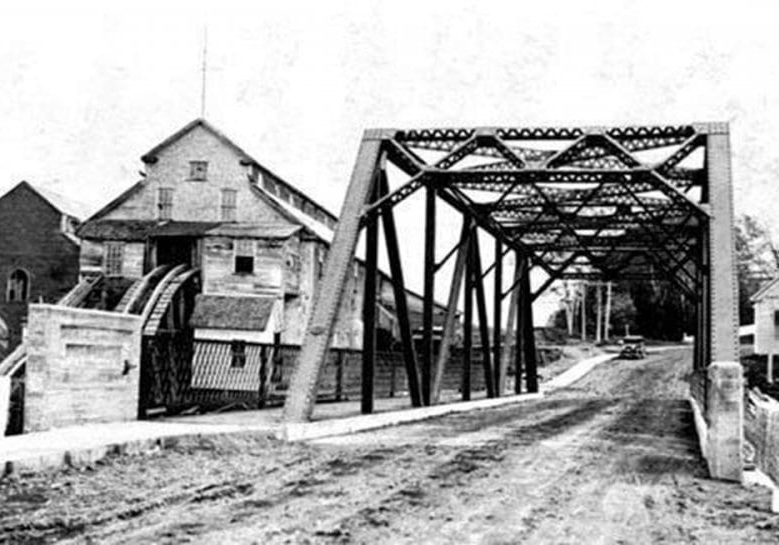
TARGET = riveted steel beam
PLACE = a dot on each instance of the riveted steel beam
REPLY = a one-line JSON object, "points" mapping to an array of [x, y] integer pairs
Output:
{"points": [[299, 404], [581, 204]]}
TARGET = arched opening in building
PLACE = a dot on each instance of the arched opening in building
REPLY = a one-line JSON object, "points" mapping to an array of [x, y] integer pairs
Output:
{"points": [[18, 286]]}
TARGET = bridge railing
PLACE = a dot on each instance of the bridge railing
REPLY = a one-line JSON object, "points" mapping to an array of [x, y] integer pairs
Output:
{"points": [[180, 373]]}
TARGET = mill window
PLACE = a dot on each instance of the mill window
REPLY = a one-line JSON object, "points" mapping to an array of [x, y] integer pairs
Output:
{"points": [[269, 184], [244, 257], [166, 203], [229, 204], [114, 254], [198, 171], [321, 254]]}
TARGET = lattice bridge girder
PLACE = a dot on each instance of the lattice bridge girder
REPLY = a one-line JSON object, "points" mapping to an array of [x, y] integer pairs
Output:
{"points": [[630, 203]]}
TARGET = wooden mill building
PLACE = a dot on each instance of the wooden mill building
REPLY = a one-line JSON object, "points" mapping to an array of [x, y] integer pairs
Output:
{"points": [[766, 305], [258, 242]]}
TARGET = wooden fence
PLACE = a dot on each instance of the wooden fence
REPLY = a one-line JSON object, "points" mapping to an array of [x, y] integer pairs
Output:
{"points": [[215, 374], [262, 374]]}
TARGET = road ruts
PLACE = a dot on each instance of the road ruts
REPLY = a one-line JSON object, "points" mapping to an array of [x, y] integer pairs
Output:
{"points": [[612, 459]]}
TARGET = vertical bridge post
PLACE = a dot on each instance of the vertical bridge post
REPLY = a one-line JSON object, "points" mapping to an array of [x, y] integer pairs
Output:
{"points": [[468, 319], [399, 294], [724, 407], [497, 319], [429, 289], [369, 310], [481, 309], [528, 340]]}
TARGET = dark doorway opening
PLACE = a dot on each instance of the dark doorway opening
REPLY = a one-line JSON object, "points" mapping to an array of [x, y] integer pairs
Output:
{"points": [[176, 251]]}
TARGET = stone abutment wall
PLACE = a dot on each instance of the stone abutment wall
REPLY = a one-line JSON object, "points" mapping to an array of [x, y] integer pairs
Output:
{"points": [[82, 367]]}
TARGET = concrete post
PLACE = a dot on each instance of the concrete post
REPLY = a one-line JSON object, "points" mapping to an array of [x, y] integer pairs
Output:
{"points": [[724, 412], [725, 420]]}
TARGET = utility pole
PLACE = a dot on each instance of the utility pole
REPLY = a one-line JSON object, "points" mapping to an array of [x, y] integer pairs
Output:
{"points": [[607, 324], [598, 312], [584, 311], [570, 306], [204, 70]]}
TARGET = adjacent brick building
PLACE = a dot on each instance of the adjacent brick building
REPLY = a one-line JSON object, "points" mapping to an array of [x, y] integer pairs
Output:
{"points": [[39, 254]]}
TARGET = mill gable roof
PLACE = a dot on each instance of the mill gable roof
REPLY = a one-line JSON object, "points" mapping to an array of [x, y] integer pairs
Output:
{"points": [[151, 155], [285, 209]]}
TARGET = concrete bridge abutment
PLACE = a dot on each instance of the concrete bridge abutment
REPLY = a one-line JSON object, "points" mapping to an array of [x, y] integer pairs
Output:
{"points": [[724, 419]]}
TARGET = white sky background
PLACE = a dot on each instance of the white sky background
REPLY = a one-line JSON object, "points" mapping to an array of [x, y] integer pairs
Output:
{"points": [[86, 89]]}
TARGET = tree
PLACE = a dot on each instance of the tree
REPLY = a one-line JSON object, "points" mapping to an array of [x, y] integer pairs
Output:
{"points": [[621, 313], [662, 311], [757, 259]]}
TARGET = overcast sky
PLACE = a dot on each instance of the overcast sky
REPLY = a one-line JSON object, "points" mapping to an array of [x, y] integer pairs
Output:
{"points": [[85, 90]]}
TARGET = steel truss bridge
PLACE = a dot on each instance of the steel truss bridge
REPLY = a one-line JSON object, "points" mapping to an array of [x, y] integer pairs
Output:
{"points": [[610, 203]]}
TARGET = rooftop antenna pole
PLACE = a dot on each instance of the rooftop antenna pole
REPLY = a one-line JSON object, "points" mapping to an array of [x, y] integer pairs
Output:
{"points": [[204, 70]]}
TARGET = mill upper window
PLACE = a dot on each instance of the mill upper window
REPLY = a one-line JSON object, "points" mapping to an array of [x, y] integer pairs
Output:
{"points": [[244, 256], [165, 203], [198, 171], [229, 204]]}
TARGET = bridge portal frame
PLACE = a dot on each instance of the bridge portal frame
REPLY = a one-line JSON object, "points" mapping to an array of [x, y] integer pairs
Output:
{"points": [[591, 205]]}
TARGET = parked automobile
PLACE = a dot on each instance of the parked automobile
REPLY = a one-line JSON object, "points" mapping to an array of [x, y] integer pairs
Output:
{"points": [[633, 348]]}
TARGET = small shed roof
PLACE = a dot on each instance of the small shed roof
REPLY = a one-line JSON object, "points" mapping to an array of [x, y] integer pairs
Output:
{"points": [[229, 312], [128, 230], [183, 228], [254, 230], [319, 229], [140, 230]]}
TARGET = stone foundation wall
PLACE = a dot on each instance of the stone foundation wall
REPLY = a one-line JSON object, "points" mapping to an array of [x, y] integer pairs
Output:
{"points": [[761, 430], [82, 366]]}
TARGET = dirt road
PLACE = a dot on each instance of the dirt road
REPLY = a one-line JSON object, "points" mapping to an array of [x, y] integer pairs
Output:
{"points": [[612, 459]]}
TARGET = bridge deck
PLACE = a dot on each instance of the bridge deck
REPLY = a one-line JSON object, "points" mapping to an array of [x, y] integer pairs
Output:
{"points": [[610, 459]]}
